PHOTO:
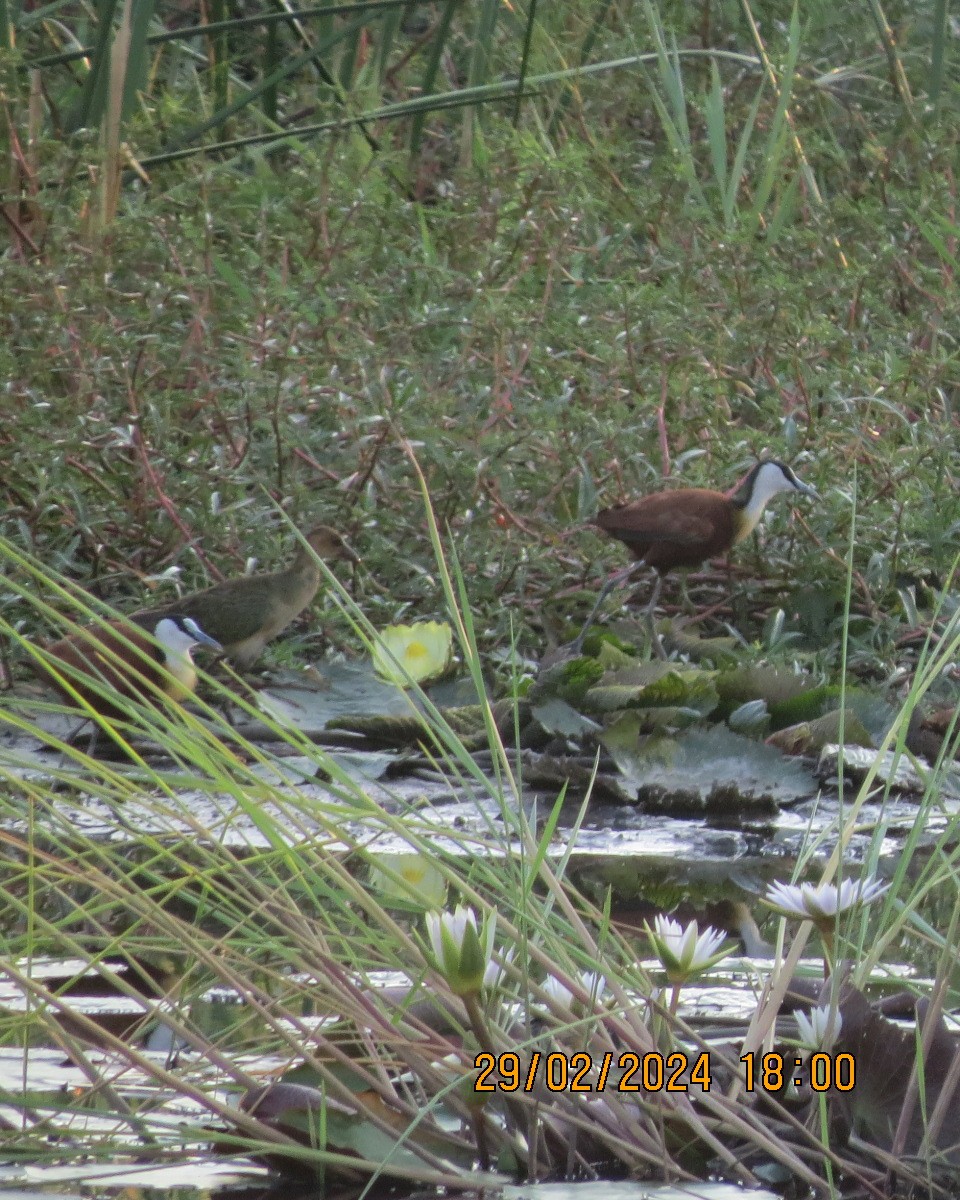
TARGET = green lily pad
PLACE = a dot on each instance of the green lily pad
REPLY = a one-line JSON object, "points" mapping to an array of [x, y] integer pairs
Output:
{"points": [[808, 737], [704, 770], [556, 716], [774, 685], [466, 722], [313, 1118], [720, 650], [569, 680], [635, 688]]}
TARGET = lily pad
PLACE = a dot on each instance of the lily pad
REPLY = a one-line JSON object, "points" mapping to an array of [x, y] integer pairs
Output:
{"points": [[636, 687], [314, 1118], [720, 650], [705, 770], [774, 685], [569, 679], [809, 736], [886, 1057], [558, 717], [348, 689]]}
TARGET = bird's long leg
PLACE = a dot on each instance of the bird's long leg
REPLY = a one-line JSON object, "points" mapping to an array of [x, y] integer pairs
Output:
{"points": [[614, 581], [655, 641]]}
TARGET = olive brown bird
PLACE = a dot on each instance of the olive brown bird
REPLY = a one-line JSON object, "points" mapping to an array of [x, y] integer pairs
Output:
{"points": [[103, 666], [244, 614], [685, 527]]}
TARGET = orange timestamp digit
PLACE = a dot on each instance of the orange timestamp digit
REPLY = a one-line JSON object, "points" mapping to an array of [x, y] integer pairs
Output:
{"points": [[579, 1072], [821, 1072]]}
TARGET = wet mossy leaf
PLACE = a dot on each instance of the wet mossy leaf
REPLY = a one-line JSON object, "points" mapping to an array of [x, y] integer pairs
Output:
{"points": [[604, 644], [466, 722], [873, 713], [808, 737], [387, 731], [612, 658], [569, 680], [348, 689], [722, 651], [774, 685], [806, 706], [638, 688], [702, 770], [667, 718]]}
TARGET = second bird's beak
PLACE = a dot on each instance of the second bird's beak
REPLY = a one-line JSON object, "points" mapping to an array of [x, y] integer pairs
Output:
{"points": [[204, 639]]}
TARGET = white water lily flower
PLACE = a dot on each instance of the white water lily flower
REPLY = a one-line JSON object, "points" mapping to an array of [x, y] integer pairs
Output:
{"points": [[496, 969], [685, 952], [592, 982], [462, 951], [822, 902], [820, 1029], [419, 651]]}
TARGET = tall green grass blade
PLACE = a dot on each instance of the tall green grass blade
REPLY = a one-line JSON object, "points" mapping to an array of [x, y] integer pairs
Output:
{"points": [[717, 138], [478, 71], [431, 69], [112, 123], [938, 53], [898, 75], [730, 205], [528, 28], [351, 54], [586, 49], [271, 62], [219, 54], [673, 111], [780, 134], [288, 68], [785, 213], [138, 56], [237, 25], [93, 97], [390, 26]]}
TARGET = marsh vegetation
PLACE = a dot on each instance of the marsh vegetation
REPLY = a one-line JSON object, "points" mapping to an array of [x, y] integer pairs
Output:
{"points": [[450, 278]]}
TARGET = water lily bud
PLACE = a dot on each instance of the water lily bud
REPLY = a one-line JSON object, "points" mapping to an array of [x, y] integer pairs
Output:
{"points": [[462, 952]]}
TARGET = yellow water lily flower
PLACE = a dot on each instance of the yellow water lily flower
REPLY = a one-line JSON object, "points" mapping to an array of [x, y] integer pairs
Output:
{"points": [[423, 651], [408, 877]]}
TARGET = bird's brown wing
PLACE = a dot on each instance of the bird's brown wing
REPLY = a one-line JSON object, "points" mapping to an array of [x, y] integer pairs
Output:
{"points": [[666, 535], [648, 525], [230, 612]]}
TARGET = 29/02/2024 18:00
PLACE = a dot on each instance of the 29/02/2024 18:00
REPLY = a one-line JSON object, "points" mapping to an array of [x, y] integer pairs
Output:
{"points": [[655, 1072]]}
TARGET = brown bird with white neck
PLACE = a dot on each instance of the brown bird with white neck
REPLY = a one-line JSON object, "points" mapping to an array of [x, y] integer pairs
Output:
{"points": [[103, 666], [683, 528]]}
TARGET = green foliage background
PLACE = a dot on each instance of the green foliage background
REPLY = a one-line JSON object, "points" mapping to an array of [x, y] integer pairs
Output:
{"points": [[674, 261]]}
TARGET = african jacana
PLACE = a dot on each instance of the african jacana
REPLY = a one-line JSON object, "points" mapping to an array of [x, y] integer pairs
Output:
{"points": [[244, 614], [121, 659], [685, 527]]}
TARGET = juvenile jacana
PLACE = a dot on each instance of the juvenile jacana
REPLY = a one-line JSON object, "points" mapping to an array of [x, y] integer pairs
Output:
{"points": [[244, 614], [133, 659], [685, 527]]}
